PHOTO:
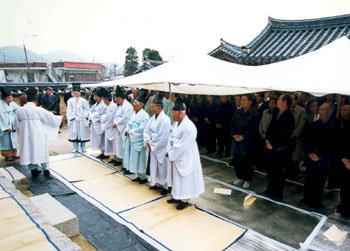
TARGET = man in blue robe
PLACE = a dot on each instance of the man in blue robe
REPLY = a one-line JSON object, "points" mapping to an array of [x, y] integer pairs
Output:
{"points": [[8, 136]]}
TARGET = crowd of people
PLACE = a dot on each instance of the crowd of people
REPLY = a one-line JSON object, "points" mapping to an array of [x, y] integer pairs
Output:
{"points": [[153, 134]]}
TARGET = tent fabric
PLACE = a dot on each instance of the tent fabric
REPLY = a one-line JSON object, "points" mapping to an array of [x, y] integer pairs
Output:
{"points": [[319, 72]]}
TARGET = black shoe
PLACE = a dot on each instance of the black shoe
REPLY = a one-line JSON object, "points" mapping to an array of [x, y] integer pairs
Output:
{"points": [[15, 157], [35, 172], [111, 161], [46, 173], [9, 159], [154, 188], [117, 163], [127, 172], [169, 190], [136, 180], [182, 205], [123, 169], [104, 157], [164, 191], [173, 201], [143, 181]]}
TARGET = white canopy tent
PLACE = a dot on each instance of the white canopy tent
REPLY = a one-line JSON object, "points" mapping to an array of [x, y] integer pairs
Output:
{"points": [[320, 72]]}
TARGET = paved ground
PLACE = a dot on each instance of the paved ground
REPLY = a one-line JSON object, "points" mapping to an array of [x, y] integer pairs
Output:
{"points": [[219, 170]]}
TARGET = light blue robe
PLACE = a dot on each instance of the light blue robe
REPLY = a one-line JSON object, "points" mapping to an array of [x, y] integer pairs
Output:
{"points": [[8, 141], [134, 149]]}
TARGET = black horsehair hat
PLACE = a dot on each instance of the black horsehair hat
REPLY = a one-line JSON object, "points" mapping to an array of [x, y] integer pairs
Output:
{"points": [[143, 96], [158, 99], [32, 94], [76, 87], [5, 92], [179, 104], [120, 92]]}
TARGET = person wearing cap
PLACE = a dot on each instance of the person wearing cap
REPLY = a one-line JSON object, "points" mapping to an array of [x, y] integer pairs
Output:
{"points": [[8, 136], [97, 134], [155, 137], [34, 125], [186, 177], [121, 118], [78, 119], [107, 122], [134, 150], [50, 102]]}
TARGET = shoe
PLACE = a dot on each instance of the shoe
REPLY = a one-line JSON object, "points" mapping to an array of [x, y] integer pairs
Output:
{"points": [[246, 185], [9, 159], [123, 169], [111, 161], [169, 190], [83, 150], [154, 188], [143, 181], [182, 205], [104, 157], [15, 157], [35, 173], [127, 172], [74, 151], [136, 180], [117, 163], [173, 201], [46, 173], [100, 156], [164, 191], [238, 182]]}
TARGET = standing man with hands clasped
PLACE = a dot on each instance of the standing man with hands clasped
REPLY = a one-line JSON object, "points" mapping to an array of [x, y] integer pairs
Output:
{"points": [[182, 151], [155, 136], [78, 119]]}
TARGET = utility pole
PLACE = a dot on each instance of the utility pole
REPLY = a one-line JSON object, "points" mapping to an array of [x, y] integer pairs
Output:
{"points": [[25, 53]]}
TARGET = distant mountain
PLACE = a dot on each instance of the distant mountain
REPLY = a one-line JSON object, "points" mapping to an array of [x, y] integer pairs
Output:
{"points": [[15, 54], [63, 55]]}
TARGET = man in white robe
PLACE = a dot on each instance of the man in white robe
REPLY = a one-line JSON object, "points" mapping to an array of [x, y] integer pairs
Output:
{"points": [[97, 134], [107, 122], [34, 125], [182, 150], [155, 136], [78, 119], [121, 118], [8, 136], [134, 150]]}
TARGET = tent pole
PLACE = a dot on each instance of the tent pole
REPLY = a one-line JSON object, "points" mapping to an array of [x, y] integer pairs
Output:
{"points": [[338, 106], [169, 92]]}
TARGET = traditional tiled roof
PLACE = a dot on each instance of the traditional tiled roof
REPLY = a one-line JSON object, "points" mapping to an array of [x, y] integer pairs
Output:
{"points": [[23, 65], [285, 39], [149, 64], [78, 65]]}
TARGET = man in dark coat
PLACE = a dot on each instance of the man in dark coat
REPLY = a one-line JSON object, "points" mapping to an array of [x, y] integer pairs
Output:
{"points": [[244, 132], [50, 102], [210, 122], [277, 141], [343, 150], [224, 114], [318, 142]]}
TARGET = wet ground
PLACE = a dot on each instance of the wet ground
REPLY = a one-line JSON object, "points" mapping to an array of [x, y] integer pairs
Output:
{"points": [[274, 225]]}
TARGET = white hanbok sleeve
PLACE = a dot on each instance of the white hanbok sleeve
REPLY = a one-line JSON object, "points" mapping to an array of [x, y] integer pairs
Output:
{"points": [[161, 138], [51, 123], [180, 148]]}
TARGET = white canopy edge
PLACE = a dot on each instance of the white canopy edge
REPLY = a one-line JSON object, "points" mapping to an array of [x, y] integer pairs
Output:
{"points": [[320, 72]]}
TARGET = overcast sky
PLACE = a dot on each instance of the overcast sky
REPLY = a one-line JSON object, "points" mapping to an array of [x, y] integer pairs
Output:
{"points": [[104, 29]]}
